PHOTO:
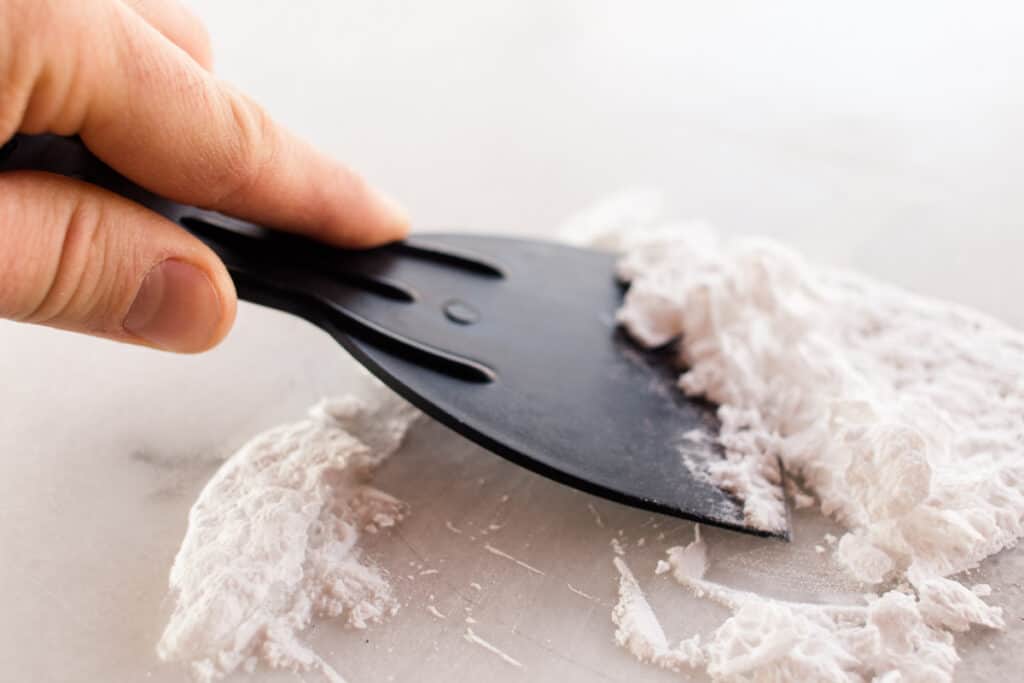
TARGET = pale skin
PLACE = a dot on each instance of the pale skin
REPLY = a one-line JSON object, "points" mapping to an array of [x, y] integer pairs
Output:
{"points": [[133, 79]]}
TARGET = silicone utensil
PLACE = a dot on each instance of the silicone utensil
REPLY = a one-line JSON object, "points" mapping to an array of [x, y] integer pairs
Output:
{"points": [[511, 343]]}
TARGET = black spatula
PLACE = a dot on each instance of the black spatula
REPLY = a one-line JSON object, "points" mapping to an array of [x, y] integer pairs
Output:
{"points": [[511, 343]]}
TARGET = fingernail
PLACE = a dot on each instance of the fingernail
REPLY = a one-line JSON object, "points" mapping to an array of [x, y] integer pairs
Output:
{"points": [[176, 308]]}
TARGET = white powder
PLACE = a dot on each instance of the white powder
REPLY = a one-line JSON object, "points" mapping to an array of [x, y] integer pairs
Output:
{"points": [[773, 640], [272, 542], [501, 553], [582, 594], [471, 637], [901, 415], [689, 561], [897, 415], [639, 630]]}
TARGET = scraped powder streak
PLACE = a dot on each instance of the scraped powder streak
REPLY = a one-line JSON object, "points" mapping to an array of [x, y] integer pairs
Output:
{"points": [[272, 542], [900, 415]]}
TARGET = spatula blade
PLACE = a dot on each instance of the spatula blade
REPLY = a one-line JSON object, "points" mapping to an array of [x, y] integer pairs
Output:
{"points": [[511, 343], [571, 397]]}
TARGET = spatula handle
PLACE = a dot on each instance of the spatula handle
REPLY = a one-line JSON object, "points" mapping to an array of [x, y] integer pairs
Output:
{"points": [[322, 284], [253, 255]]}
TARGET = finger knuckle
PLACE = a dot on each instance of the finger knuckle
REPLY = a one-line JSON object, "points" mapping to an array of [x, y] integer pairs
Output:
{"points": [[81, 281], [199, 44], [140, 63], [17, 265], [247, 151], [23, 26]]}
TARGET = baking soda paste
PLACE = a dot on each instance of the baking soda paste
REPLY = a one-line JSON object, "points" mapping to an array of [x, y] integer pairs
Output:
{"points": [[899, 416]]}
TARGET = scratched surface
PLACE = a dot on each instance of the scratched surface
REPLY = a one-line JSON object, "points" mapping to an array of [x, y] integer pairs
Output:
{"points": [[883, 138]]}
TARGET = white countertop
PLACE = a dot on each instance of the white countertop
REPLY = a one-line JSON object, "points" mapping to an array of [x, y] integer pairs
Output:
{"points": [[878, 137]]}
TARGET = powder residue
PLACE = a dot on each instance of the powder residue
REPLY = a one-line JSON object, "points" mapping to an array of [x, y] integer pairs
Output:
{"points": [[272, 542], [639, 630], [889, 637], [897, 415], [582, 594], [472, 637], [501, 553], [690, 561], [900, 414]]}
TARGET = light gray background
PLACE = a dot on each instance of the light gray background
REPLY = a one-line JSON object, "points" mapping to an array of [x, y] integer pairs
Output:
{"points": [[883, 136]]}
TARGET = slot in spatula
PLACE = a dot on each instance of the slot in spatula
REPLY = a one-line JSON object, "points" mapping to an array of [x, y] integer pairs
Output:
{"points": [[511, 343]]}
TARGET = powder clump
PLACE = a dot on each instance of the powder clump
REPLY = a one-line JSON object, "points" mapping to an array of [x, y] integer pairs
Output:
{"points": [[769, 640], [895, 414], [641, 633], [900, 414], [272, 542]]}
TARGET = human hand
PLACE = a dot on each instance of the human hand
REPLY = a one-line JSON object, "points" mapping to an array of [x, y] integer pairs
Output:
{"points": [[132, 78]]}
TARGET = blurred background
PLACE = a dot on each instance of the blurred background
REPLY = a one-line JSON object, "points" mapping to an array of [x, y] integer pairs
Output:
{"points": [[881, 135]]}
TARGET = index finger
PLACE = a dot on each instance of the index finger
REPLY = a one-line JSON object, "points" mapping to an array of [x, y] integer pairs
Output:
{"points": [[159, 118], [179, 25]]}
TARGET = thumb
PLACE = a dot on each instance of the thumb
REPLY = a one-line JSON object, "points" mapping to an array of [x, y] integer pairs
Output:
{"points": [[79, 258]]}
